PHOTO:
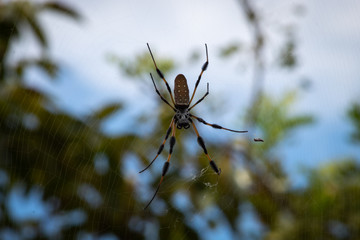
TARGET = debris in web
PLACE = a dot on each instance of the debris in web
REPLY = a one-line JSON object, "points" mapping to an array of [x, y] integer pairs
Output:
{"points": [[209, 185], [258, 140]]}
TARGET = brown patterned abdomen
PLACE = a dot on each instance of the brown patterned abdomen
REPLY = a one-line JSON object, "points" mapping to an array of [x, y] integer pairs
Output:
{"points": [[181, 90]]}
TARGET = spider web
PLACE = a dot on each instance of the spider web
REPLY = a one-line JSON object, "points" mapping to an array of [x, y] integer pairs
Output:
{"points": [[27, 203], [32, 210]]}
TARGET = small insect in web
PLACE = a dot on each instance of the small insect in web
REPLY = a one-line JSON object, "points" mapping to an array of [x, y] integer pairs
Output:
{"points": [[258, 140], [182, 118]]}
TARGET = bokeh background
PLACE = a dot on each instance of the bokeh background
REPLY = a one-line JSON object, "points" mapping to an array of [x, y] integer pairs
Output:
{"points": [[79, 118]]}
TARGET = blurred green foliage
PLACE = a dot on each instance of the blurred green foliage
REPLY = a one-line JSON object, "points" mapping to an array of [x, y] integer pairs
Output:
{"points": [[354, 115], [282, 122], [287, 56], [141, 64], [17, 15], [84, 178], [230, 49], [328, 208]]}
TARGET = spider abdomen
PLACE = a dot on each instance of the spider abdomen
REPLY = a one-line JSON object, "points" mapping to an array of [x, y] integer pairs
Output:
{"points": [[181, 91]]}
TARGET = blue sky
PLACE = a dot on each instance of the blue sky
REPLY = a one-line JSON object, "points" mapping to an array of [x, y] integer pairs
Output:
{"points": [[328, 35]]}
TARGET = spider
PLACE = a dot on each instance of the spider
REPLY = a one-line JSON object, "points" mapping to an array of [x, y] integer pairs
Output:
{"points": [[182, 118]]}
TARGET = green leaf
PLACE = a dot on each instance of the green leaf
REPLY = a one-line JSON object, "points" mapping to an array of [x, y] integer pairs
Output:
{"points": [[354, 115], [287, 55], [45, 64], [61, 8], [230, 50], [107, 111], [142, 64], [37, 29]]}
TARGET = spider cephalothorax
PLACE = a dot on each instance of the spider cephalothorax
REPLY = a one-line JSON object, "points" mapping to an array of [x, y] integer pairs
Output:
{"points": [[182, 118]]}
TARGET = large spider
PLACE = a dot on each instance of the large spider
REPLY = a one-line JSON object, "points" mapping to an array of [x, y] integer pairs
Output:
{"points": [[182, 118]]}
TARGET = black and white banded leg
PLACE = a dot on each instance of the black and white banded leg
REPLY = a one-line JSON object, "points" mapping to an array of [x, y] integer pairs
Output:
{"points": [[161, 75], [202, 144], [215, 125], [162, 145], [166, 165], [157, 91], [203, 69]]}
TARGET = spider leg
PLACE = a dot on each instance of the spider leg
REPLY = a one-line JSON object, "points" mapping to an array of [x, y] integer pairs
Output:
{"points": [[165, 167], [157, 91], [161, 146], [215, 125], [202, 144], [203, 69], [161, 75], [200, 100]]}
